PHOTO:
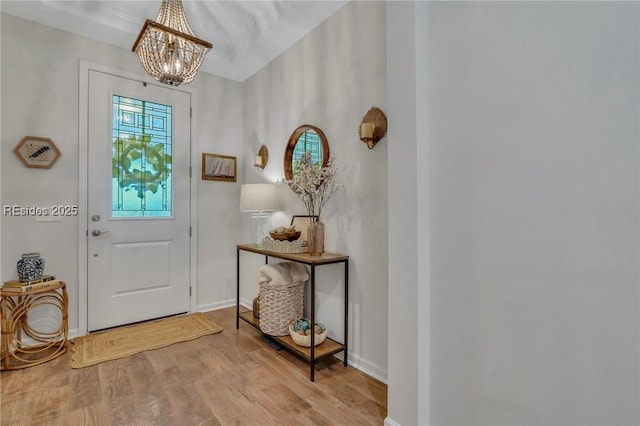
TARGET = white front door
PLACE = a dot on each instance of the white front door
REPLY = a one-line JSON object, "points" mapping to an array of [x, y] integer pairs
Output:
{"points": [[138, 201]]}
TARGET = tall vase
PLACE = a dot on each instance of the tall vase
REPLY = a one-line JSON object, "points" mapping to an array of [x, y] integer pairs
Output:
{"points": [[315, 238]]}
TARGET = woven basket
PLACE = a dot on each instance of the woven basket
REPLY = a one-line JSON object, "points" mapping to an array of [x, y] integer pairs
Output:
{"points": [[278, 305], [285, 236], [305, 340]]}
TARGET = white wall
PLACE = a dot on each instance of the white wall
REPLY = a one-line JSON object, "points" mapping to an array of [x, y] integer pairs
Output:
{"points": [[330, 79], [219, 132], [403, 350], [40, 68], [533, 208]]}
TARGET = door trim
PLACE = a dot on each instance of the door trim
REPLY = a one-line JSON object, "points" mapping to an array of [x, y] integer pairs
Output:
{"points": [[83, 174]]}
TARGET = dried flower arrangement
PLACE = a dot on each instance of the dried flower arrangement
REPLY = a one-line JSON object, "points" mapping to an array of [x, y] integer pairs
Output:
{"points": [[314, 184]]}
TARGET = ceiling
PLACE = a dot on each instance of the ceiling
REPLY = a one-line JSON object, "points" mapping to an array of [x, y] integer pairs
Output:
{"points": [[246, 35]]}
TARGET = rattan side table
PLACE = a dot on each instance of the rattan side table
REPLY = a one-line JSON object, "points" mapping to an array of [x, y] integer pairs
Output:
{"points": [[44, 345]]}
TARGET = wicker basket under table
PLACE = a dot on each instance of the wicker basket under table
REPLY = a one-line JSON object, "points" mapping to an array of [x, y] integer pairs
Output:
{"points": [[278, 305]]}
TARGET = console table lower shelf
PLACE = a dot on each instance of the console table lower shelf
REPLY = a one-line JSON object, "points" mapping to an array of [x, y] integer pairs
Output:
{"points": [[326, 348]]}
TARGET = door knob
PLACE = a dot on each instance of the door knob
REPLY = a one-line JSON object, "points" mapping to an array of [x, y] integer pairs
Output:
{"points": [[97, 232]]}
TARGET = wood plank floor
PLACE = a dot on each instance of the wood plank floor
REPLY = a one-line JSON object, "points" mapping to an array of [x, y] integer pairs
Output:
{"points": [[229, 378]]}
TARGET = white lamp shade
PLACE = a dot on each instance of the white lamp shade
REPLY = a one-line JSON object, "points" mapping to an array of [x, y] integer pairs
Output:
{"points": [[258, 197]]}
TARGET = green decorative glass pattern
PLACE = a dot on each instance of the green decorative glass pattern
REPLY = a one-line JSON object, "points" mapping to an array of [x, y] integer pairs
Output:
{"points": [[141, 158]]}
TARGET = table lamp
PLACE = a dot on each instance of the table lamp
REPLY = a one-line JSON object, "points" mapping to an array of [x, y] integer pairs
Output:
{"points": [[259, 199]]}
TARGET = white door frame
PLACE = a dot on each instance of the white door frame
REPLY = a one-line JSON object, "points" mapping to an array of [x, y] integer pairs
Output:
{"points": [[83, 215]]}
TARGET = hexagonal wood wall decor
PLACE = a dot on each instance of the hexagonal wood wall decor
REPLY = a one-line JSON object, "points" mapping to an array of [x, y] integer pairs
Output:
{"points": [[37, 152]]}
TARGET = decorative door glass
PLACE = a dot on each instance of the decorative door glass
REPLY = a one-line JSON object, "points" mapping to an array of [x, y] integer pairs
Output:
{"points": [[141, 159]]}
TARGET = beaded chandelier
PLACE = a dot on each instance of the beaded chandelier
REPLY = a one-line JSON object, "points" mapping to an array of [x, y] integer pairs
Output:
{"points": [[168, 49]]}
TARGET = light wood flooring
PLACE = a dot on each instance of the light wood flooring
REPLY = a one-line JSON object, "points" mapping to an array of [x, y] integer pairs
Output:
{"points": [[229, 378]]}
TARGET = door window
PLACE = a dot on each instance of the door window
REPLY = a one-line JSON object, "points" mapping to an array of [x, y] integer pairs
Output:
{"points": [[141, 159]]}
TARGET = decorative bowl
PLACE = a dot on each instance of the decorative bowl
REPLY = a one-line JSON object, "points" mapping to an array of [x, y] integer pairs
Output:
{"points": [[282, 236], [302, 325]]}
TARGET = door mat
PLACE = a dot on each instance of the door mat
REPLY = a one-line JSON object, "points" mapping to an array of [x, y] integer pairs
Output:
{"points": [[129, 340]]}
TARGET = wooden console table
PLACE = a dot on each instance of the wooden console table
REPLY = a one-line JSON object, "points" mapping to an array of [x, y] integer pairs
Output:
{"points": [[313, 353], [48, 345]]}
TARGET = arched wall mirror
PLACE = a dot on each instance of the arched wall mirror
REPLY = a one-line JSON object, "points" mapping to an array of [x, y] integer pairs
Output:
{"points": [[305, 138]]}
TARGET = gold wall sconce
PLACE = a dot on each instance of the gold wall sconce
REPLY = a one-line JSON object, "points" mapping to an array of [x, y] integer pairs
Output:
{"points": [[373, 127], [262, 158]]}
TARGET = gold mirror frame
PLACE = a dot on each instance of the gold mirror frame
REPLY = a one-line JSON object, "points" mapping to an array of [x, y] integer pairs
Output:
{"points": [[291, 145]]}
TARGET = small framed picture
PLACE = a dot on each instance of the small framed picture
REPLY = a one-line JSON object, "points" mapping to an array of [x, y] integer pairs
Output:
{"points": [[37, 152], [301, 222], [219, 167]]}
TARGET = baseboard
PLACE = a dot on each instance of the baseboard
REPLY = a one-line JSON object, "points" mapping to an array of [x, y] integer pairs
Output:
{"points": [[224, 304], [28, 341], [390, 422], [368, 368]]}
